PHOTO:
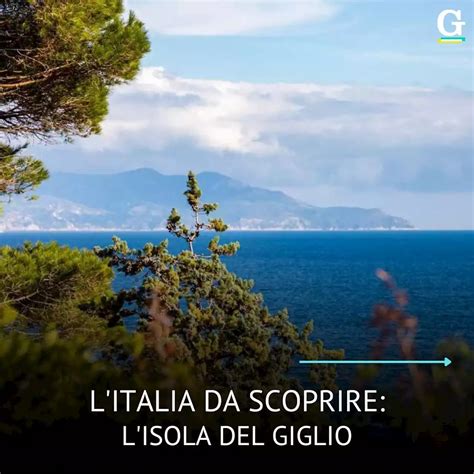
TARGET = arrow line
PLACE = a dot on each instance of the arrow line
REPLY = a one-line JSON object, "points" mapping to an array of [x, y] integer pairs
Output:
{"points": [[444, 362]]}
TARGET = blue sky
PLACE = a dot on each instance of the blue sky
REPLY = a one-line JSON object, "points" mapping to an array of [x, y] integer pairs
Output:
{"points": [[375, 42], [334, 102]]}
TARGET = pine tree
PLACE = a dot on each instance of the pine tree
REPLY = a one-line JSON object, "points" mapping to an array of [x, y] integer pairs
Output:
{"points": [[49, 284], [209, 317], [58, 62], [19, 174], [190, 234]]}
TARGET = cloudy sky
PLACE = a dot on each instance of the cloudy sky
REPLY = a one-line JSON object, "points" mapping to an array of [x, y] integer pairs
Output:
{"points": [[334, 102]]}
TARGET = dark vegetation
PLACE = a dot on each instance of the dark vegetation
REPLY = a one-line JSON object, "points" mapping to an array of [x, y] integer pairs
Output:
{"points": [[58, 62]]}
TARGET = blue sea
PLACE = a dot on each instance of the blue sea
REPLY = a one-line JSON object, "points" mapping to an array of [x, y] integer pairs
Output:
{"points": [[329, 277]]}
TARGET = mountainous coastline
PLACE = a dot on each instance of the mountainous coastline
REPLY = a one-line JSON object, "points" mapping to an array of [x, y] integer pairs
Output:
{"points": [[142, 199]]}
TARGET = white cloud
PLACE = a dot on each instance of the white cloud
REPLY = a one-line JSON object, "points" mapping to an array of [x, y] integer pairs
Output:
{"points": [[227, 17], [285, 135], [158, 110], [407, 150]]}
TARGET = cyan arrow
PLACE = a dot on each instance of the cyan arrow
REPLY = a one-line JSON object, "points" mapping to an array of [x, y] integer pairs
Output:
{"points": [[444, 362]]}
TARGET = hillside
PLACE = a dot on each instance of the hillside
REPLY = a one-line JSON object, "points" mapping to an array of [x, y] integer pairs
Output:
{"points": [[141, 200]]}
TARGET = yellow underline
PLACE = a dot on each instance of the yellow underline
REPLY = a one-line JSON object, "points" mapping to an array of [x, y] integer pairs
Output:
{"points": [[455, 41]]}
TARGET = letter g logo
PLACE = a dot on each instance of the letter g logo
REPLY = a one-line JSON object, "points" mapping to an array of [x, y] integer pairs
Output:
{"points": [[456, 24]]}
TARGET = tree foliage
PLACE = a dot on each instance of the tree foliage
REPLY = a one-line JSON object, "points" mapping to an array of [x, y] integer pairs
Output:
{"points": [[196, 310], [198, 209], [19, 174], [47, 284], [49, 379], [58, 61]]}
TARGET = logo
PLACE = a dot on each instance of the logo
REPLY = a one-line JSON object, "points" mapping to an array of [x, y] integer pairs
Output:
{"points": [[450, 26]]}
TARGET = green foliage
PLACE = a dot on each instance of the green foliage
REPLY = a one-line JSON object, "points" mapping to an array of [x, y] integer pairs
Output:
{"points": [[7, 315], [230, 248], [174, 225], [48, 283], [49, 379], [58, 61], [193, 193], [19, 174], [199, 312], [218, 325]]}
